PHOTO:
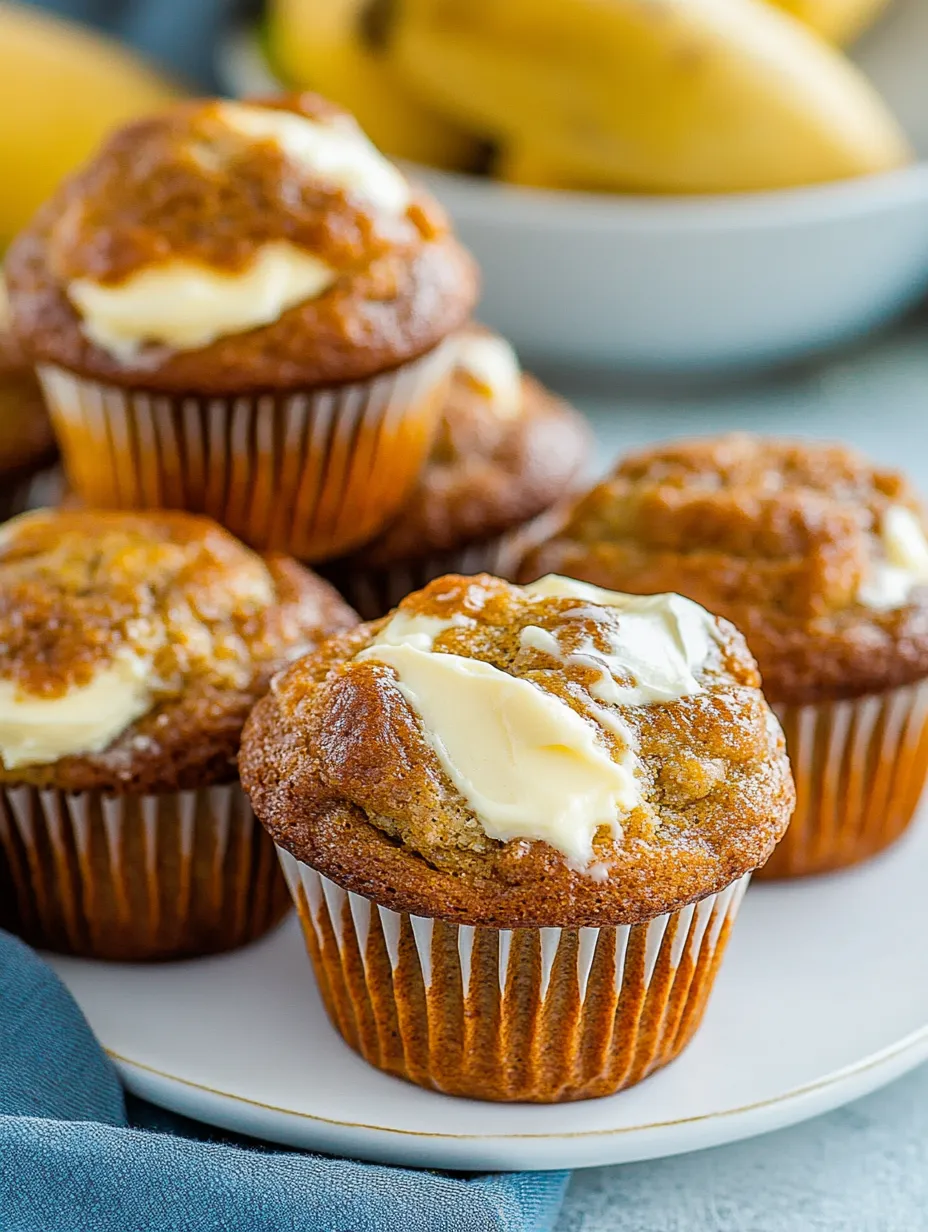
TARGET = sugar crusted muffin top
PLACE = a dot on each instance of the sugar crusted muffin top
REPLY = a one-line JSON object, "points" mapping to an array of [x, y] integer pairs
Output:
{"points": [[225, 245], [506, 450], [818, 556], [133, 645], [550, 756]]}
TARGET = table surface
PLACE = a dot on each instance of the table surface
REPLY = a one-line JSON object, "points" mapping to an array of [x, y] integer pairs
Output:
{"points": [[863, 1168]]}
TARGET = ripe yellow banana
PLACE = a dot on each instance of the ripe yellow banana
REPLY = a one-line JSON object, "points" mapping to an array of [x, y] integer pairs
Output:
{"points": [[520, 164], [649, 95], [61, 90], [839, 21], [331, 46]]}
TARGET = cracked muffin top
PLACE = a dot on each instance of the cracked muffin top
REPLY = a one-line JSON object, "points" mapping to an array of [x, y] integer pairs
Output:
{"points": [[132, 646], [223, 246], [507, 449], [554, 755], [819, 557]]}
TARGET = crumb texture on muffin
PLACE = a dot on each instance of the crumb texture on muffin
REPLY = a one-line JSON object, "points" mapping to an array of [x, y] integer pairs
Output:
{"points": [[819, 557], [133, 645], [507, 449], [549, 756], [224, 246]]}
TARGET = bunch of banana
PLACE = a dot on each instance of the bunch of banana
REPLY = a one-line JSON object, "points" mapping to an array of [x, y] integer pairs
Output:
{"points": [[337, 48], [630, 95], [61, 90], [647, 95]]}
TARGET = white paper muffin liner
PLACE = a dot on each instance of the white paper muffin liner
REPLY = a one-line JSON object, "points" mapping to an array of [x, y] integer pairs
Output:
{"points": [[136, 877], [860, 768], [312, 473], [373, 591], [543, 1015]]}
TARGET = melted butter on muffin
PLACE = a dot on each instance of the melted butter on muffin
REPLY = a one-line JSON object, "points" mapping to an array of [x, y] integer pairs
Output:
{"points": [[185, 306], [489, 362], [472, 765], [86, 719], [902, 564], [528, 765], [230, 246], [653, 654], [334, 148], [112, 621]]}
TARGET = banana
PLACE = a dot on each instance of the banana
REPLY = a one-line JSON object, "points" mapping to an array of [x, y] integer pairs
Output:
{"points": [[649, 95], [839, 21], [331, 46], [519, 164], [61, 90]]}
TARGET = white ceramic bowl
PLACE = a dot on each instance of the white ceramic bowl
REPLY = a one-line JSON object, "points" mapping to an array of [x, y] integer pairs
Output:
{"points": [[700, 283]]}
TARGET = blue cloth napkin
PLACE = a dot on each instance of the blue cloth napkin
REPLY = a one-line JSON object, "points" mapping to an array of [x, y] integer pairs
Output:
{"points": [[74, 1159]]}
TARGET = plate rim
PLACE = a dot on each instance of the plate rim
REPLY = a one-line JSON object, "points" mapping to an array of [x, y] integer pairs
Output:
{"points": [[913, 1048]]}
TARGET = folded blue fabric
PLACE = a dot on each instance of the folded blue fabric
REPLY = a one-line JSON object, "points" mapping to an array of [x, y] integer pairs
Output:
{"points": [[73, 1159]]}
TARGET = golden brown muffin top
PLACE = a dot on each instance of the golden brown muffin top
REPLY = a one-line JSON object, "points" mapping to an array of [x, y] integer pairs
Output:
{"points": [[175, 613], [204, 184], [498, 460], [818, 556], [351, 771]]}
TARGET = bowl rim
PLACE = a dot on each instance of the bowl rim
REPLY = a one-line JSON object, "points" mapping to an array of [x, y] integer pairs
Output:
{"points": [[243, 68]]}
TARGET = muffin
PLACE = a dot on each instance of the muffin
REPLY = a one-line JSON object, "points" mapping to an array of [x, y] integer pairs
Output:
{"points": [[27, 444], [517, 825], [132, 647], [240, 309], [821, 560], [507, 453]]}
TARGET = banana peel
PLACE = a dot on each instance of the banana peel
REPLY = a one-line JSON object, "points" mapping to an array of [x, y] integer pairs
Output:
{"points": [[62, 89], [330, 46], [649, 95]]}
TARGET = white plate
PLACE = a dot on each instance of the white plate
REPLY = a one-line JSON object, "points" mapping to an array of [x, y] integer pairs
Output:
{"points": [[698, 283], [823, 997]]}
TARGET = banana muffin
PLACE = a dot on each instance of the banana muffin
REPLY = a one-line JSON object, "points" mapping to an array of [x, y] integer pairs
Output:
{"points": [[132, 647], [239, 309], [27, 444], [508, 452], [517, 824], [821, 559]]}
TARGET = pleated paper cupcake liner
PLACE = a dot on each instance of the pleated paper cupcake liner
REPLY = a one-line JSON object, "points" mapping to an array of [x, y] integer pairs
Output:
{"points": [[373, 592], [860, 768], [542, 1015], [312, 473], [135, 878]]}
